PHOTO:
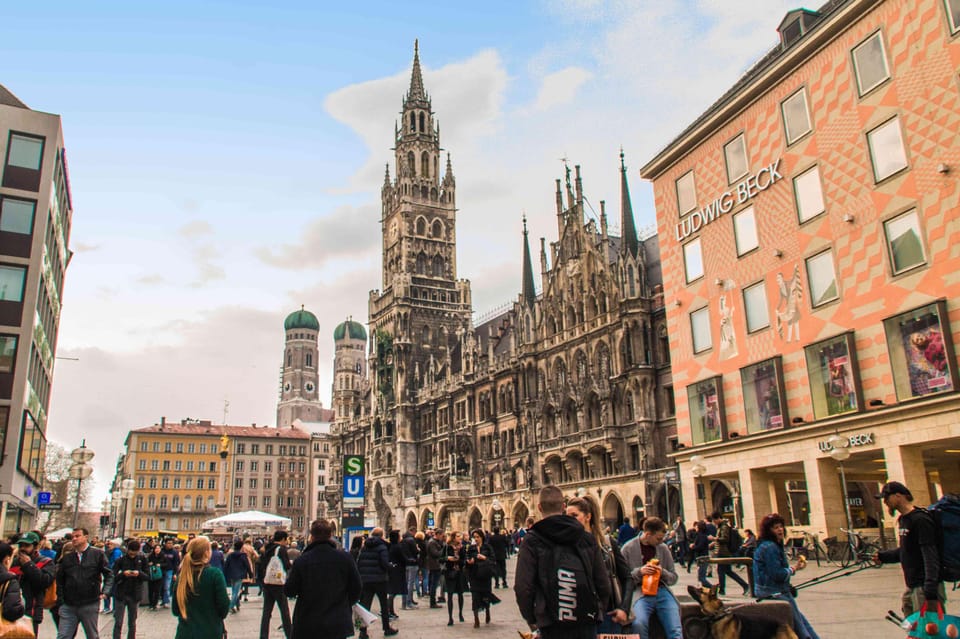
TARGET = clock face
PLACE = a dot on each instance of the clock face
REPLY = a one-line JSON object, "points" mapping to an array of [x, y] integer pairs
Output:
{"points": [[286, 387], [308, 387]]}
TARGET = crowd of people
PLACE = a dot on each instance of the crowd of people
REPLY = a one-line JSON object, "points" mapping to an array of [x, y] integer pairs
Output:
{"points": [[573, 577]]}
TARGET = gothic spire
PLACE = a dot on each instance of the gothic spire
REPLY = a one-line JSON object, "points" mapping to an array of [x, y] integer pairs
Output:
{"points": [[627, 228], [448, 177], [416, 91], [528, 293]]}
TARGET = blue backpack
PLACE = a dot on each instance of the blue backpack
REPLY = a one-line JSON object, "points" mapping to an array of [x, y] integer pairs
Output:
{"points": [[946, 514]]}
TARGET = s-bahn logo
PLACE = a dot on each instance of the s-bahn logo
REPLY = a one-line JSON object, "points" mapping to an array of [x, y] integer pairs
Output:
{"points": [[353, 465], [353, 481]]}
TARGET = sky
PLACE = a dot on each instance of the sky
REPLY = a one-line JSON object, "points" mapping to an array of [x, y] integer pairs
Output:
{"points": [[226, 160]]}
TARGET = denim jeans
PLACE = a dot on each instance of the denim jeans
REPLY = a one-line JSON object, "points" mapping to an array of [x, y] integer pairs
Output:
{"points": [[435, 578], [411, 585], [167, 580], [235, 586], [667, 609], [702, 568], [71, 617]]}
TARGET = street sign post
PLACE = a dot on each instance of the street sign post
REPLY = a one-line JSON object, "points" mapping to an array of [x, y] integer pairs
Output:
{"points": [[43, 498], [55, 505]]}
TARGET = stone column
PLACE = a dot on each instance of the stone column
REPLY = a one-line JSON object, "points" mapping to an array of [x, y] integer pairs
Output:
{"points": [[905, 465], [825, 493], [755, 496], [688, 490]]}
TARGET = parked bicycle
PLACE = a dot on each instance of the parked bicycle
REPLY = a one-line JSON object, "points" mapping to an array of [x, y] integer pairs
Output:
{"points": [[856, 550]]}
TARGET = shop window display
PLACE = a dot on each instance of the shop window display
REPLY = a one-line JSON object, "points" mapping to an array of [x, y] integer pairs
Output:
{"points": [[832, 371], [763, 396], [921, 352], [706, 410]]}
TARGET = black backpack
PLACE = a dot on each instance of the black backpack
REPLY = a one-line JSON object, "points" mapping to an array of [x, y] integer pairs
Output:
{"points": [[566, 580], [734, 541], [946, 516]]}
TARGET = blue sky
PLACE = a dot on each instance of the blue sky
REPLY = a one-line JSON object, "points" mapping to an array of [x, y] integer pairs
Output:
{"points": [[226, 160]]}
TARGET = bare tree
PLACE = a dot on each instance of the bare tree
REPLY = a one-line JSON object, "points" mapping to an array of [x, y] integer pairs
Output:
{"points": [[62, 489]]}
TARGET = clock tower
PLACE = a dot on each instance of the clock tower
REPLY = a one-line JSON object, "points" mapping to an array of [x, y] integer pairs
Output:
{"points": [[299, 395], [423, 310]]}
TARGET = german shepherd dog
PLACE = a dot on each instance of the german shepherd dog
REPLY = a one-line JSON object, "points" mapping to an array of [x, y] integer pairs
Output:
{"points": [[736, 624]]}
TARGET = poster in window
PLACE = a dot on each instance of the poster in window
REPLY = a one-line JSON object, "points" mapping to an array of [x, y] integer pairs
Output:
{"points": [[832, 370], [761, 396], [705, 411], [927, 365]]}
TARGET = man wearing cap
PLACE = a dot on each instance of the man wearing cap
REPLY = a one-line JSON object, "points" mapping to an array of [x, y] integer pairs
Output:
{"points": [[36, 573], [917, 553]]}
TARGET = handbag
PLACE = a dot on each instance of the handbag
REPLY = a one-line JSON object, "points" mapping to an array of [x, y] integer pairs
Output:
{"points": [[155, 572], [22, 628]]}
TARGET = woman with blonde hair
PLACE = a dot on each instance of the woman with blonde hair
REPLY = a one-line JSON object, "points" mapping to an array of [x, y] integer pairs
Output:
{"points": [[201, 602], [586, 510]]}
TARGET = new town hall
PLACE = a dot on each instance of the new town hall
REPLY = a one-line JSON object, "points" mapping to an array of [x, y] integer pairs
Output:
{"points": [[461, 424]]}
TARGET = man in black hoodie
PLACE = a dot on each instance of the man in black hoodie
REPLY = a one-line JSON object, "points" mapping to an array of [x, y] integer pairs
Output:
{"points": [[566, 609], [273, 593], [374, 564]]}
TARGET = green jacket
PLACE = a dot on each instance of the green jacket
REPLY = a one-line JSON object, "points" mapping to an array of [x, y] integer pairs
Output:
{"points": [[206, 608]]}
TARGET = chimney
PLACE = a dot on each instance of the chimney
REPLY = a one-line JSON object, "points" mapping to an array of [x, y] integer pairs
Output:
{"points": [[163, 421]]}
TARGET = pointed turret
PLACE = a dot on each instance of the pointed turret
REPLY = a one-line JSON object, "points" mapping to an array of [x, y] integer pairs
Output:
{"points": [[416, 91], [386, 175], [528, 293], [448, 179], [627, 227]]}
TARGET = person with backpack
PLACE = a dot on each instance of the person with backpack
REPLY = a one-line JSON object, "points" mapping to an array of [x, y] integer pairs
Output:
{"points": [[918, 552], [728, 545], [37, 574], [272, 573], [561, 583], [647, 555]]}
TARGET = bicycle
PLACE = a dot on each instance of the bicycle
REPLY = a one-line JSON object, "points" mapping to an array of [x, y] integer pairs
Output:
{"points": [[856, 550]]}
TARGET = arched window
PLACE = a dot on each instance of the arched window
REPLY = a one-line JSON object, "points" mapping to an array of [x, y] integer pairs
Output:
{"points": [[421, 263], [425, 163], [421, 226], [152, 501], [412, 163], [188, 502], [422, 127], [309, 361], [289, 358], [413, 122], [438, 266], [631, 283], [437, 229]]}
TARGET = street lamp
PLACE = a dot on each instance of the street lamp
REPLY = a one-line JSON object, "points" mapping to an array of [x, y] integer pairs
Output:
{"points": [[80, 470], [115, 511], [698, 470], [840, 451], [126, 492]]}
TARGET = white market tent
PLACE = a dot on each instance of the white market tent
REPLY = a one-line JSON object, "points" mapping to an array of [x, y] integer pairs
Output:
{"points": [[60, 533], [248, 519]]}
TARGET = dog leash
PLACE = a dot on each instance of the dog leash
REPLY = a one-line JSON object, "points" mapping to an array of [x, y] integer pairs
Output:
{"points": [[836, 574]]}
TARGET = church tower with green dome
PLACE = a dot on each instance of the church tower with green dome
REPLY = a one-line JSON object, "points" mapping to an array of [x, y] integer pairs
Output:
{"points": [[349, 371], [299, 394]]}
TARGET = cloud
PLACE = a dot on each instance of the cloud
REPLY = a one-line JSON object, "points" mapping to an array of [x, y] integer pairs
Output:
{"points": [[471, 92], [84, 247], [558, 88], [196, 228], [230, 353], [208, 270], [152, 279], [348, 231]]}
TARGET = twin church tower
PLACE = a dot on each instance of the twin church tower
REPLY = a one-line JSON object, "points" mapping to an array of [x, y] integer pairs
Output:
{"points": [[461, 423]]}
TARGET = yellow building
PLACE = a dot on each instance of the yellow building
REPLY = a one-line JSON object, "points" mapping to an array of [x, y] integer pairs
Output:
{"points": [[179, 477]]}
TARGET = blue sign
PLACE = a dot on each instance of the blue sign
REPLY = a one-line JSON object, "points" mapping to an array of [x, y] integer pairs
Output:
{"points": [[43, 498], [353, 487]]}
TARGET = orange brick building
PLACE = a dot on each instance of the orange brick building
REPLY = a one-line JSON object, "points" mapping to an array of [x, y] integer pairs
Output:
{"points": [[809, 228]]}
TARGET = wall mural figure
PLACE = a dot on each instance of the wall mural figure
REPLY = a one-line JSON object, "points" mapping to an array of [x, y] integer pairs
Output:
{"points": [[728, 338], [788, 306]]}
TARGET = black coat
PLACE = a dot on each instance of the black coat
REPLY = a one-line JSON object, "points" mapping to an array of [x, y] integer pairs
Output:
{"points": [[79, 581], [326, 582], [12, 601], [456, 575], [130, 587], [398, 570], [36, 577], [373, 562]]}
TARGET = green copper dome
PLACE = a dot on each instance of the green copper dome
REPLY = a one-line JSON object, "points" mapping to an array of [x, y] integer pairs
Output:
{"points": [[301, 319], [351, 329]]}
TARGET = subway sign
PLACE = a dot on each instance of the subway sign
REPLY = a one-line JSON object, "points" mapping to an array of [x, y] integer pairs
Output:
{"points": [[353, 482]]}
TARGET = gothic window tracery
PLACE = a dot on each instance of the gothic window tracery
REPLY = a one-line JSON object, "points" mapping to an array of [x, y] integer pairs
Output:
{"points": [[424, 161]]}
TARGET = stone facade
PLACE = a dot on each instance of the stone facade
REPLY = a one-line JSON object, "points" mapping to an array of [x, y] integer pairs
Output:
{"points": [[461, 422]]}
